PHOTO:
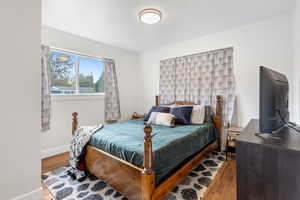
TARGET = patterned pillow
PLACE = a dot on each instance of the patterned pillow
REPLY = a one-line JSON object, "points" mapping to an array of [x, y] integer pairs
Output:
{"points": [[165, 119], [183, 114], [157, 109]]}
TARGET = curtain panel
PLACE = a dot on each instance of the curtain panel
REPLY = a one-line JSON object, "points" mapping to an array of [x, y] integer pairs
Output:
{"points": [[200, 78], [112, 100], [46, 99]]}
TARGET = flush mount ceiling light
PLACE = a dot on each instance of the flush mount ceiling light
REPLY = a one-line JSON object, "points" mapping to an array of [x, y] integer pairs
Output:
{"points": [[150, 16]]}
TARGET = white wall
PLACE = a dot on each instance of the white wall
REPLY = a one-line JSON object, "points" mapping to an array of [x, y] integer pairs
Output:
{"points": [[267, 43], [91, 109], [20, 99], [297, 60]]}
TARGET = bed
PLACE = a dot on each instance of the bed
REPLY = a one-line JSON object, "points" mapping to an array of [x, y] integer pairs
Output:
{"points": [[147, 164]]}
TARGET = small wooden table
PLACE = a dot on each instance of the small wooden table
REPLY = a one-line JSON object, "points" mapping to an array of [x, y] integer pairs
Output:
{"points": [[137, 116], [232, 133]]}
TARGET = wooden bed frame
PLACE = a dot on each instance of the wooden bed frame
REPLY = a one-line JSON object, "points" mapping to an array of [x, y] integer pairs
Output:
{"points": [[139, 183]]}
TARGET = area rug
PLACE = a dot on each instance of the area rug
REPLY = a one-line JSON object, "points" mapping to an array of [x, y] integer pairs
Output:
{"points": [[63, 187]]}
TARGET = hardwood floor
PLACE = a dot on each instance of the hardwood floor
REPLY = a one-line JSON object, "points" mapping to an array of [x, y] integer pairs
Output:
{"points": [[223, 186], [54, 162], [51, 163]]}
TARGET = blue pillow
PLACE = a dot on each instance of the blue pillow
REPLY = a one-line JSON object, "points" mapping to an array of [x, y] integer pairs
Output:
{"points": [[182, 114], [157, 109]]}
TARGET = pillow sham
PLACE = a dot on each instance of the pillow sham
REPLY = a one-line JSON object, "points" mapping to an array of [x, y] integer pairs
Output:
{"points": [[164, 119], [157, 109], [170, 105], [182, 114], [198, 114]]}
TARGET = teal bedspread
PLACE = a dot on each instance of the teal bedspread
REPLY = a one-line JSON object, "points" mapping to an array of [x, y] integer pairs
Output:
{"points": [[171, 146]]}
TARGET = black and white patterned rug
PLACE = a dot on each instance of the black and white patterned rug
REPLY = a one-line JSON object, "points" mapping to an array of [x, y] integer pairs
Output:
{"points": [[63, 187]]}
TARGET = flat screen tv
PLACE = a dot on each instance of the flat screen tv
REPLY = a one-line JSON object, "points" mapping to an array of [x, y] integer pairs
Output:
{"points": [[274, 100]]}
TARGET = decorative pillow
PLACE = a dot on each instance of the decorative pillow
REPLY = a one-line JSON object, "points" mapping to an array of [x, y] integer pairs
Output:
{"points": [[157, 109], [183, 114], [198, 114], [165, 119]]}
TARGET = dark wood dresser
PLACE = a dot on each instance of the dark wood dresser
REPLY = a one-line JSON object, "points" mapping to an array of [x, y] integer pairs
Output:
{"points": [[268, 168]]}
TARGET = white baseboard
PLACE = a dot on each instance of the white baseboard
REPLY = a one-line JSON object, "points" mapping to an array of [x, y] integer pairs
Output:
{"points": [[33, 195], [54, 151]]}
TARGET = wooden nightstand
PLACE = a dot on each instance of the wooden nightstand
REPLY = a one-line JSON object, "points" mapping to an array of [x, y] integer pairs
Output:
{"points": [[232, 133], [137, 116]]}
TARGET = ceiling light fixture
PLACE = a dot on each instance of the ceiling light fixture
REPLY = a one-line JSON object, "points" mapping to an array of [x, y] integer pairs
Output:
{"points": [[150, 16]]}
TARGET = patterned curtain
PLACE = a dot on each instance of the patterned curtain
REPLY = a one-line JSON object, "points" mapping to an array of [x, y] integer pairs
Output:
{"points": [[167, 81], [46, 100], [112, 101], [200, 78]]}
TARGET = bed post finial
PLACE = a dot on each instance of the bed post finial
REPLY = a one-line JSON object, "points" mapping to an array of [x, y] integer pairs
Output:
{"points": [[219, 106], [148, 154], [74, 122], [157, 100]]}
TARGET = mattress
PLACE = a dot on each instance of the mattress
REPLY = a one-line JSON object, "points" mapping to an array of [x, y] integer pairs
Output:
{"points": [[171, 146]]}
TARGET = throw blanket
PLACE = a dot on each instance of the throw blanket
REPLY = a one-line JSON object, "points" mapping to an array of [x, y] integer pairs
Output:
{"points": [[79, 140]]}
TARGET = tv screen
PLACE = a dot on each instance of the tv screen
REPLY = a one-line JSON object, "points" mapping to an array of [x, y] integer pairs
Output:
{"points": [[274, 103]]}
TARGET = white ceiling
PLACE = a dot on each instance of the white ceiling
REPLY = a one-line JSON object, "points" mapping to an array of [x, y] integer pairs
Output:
{"points": [[115, 22]]}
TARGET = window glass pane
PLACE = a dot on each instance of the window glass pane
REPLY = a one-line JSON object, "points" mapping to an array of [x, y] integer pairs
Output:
{"points": [[62, 72], [91, 76]]}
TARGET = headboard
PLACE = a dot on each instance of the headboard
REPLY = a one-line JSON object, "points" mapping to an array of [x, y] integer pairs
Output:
{"points": [[216, 115]]}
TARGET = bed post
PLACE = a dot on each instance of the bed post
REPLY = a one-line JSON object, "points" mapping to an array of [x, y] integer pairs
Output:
{"points": [[157, 100], [218, 119], [148, 175], [74, 122]]}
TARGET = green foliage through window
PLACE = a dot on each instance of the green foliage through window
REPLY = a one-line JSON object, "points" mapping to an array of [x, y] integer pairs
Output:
{"points": [[71, 73]]}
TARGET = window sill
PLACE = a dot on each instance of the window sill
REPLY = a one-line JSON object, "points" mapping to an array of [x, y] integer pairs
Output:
{"points": [[77, 97]]}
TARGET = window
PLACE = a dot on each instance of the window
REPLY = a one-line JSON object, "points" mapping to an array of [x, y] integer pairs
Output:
{"points": [[62, 72], [73, 73], [91, 79]]}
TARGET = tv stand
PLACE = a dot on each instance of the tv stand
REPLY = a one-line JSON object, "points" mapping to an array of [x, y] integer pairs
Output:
{"points": [[268, 168]]}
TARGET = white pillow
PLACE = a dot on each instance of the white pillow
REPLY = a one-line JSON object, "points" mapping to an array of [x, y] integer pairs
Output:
{"points": [[174, 105], [198, 114], [165, 119]]}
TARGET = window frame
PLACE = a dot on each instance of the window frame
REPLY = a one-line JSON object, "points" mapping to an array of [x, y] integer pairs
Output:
{"points": [[78, 55]]}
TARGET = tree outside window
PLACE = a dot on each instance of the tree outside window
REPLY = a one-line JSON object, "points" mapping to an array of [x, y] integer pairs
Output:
{"points": [[72, 74]]}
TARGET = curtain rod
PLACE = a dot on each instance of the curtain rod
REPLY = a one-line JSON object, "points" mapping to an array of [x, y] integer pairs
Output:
{"points": [[76, 52]]}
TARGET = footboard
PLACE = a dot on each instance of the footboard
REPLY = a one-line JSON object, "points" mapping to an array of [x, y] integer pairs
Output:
{"points": [[114, 171]]}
